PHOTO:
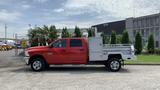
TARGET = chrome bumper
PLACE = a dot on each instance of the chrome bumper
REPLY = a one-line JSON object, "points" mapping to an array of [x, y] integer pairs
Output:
{"points": [[26, 59]]}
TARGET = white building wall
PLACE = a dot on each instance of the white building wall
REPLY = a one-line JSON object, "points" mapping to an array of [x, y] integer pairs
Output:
{"points": [[146, 25]]}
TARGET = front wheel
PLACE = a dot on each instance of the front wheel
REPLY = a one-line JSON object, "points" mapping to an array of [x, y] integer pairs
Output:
{"points": [[113, 64], [38, 64]]}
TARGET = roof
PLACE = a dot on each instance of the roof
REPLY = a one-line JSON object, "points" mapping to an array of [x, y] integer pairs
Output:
{"points": [[107, 28]]}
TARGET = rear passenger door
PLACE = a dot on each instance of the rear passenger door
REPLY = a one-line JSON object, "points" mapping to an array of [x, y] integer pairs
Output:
{"points": [[77, 51]]}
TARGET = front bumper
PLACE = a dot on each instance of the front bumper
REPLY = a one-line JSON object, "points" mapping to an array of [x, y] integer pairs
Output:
{"points": [[26, 59]]}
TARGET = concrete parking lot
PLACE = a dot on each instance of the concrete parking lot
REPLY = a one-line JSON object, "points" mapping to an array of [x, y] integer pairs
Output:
{"points": [[15, 75]]}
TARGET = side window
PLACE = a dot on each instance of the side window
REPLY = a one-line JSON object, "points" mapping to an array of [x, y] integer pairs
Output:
{"points": [[60, 44], [75, 43]]}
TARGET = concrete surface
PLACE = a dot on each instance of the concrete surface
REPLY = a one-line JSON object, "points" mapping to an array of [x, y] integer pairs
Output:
{"points": [[15, 75]]}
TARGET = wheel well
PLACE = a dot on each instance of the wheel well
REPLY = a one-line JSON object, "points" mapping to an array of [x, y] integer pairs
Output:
{"points": [[118, 56], [36, 56]]}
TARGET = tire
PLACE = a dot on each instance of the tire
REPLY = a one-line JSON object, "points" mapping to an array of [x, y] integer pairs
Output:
{"points": [[38, 64], [113, 65]]}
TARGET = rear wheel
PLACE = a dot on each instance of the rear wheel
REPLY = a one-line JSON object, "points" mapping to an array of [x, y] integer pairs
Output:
{"points": [[38, 64], [113, 65]]}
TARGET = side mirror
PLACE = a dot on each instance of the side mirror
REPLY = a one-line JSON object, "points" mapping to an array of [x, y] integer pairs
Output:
{"points": [[50, 46]]}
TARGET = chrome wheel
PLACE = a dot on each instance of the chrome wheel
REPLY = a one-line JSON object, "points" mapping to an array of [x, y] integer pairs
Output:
{"points": [[37, 65], [114, 65]]}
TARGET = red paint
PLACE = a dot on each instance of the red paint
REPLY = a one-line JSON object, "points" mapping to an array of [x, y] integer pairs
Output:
{"points": [[63, 55]]}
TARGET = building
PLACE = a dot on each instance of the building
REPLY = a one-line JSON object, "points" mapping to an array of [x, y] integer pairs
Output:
{"points": [[107, 28], [145, 25]]}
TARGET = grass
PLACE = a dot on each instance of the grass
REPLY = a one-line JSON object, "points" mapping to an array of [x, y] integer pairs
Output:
{"points": [[145, 59]]}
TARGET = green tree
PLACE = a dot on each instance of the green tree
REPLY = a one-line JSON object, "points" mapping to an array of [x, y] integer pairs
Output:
{"points": [[53, 32], [40, 35], [91, 32], [33, 35], [150, 45], [125, 38], [138, 43], [77, 32], [105, 38], [118, 39], [113, 37], [65, 33]]}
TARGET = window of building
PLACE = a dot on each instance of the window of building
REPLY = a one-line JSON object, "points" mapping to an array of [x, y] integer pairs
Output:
{"points": [[157, 21], [139, 23], [157, 44], [151, 21], [142, 23], [134, 33], [135, 23], [142, 32], [152, 31], [157, 32], [75, 43], [147, 32], [147, 22]]}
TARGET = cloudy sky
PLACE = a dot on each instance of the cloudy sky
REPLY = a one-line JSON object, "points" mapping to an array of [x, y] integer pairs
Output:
{"points": [[17, 14]]}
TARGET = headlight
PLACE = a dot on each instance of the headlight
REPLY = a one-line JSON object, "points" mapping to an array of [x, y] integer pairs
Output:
{"points": [[26, 53]]}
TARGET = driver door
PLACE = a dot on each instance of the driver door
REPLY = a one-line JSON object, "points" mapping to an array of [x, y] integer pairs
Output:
{"points": [[60, 52]]}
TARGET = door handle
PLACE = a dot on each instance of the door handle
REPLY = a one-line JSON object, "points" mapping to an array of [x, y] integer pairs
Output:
{"points": [[81, 49]]}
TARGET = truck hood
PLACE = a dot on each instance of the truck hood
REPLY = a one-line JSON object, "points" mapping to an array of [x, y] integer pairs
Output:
{"points": [[38, 47]]}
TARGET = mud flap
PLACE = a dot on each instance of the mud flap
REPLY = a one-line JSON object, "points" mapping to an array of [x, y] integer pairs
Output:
{"points": [[122, 62]]}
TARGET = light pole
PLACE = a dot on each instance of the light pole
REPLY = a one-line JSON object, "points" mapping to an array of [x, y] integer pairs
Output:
{"points": [[5, 34]]}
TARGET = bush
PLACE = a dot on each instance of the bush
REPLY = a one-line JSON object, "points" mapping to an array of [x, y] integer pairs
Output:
{"points": [[150, 46], [125, 38], [157, 51], [113, 37], [138, 43], [106, 39]]}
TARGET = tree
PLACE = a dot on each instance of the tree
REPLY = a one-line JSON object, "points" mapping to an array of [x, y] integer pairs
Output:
{"points": [[138, 43], [33, 35], [77, 32], [105, 38], [118, 39], [150, 45], [53, 32], [65, 33], [125, 38], [113, 37], [91, 33], [40, 35]]}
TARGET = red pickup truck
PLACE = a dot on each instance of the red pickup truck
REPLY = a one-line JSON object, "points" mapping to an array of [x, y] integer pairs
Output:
{"points": [[78, 51]]}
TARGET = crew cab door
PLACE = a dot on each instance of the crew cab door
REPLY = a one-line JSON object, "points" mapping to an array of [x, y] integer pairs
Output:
{"points": [[77, 52], [59, 52]]}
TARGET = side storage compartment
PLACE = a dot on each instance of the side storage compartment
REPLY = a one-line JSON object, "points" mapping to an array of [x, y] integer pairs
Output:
{"points": [[95, 49]]}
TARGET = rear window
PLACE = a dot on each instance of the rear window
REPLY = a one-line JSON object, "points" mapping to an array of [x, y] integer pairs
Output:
{"points": [[75, 43]]}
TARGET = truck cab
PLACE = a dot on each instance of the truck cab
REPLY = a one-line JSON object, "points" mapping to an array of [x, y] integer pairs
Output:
{"points": [[61, 51]]}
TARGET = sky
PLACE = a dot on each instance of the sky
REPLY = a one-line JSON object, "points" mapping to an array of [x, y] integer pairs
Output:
{"points": [[18, 14]]}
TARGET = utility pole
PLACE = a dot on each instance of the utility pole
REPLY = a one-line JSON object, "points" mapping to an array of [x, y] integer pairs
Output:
{"points": [[5, 33], [16, 41]]}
